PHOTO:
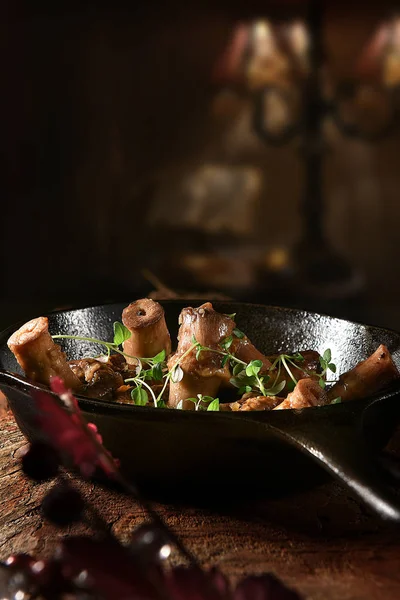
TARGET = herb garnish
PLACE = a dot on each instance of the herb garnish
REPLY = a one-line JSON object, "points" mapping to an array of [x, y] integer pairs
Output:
{"points": [[326, 365], [337, 400], [202, 403], [247, 377], [154, 372], [121, 334]]}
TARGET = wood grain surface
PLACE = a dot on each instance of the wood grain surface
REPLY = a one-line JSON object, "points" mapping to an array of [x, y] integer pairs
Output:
{"points": [[323, 543]]}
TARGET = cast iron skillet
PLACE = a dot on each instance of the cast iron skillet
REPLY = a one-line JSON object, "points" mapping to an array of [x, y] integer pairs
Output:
{"points": [[184, 455]]}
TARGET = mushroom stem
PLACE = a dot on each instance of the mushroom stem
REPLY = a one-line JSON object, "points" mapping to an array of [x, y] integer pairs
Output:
{"points": [[246, 351], [190, 386], [307, 393], [145, 320], [202, 374], [367, 378], [38, 355]]}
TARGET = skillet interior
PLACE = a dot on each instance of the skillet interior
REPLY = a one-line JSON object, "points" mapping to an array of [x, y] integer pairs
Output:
{"points": [[204, 456]]}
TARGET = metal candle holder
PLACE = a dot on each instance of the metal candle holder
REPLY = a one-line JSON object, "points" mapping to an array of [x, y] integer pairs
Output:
{"points": [[318, 269]]}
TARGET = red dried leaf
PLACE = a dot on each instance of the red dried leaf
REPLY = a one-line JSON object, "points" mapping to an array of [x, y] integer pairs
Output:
{"points": [[68, 433], [263, 587], [194, 584], [110, 570]]}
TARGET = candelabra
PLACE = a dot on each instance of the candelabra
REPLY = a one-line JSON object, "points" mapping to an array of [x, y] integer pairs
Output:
{"points": [[316, 268]]}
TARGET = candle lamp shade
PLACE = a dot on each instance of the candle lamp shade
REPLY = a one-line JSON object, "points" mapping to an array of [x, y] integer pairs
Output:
{"points": [[297, 100]]}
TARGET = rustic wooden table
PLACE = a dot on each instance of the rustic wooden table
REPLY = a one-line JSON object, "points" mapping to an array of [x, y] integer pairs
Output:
{"points": [[323, 543]]}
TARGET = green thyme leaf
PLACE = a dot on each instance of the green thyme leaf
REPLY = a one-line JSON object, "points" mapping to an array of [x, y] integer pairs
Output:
{"points": [[332, 367], [322, 383], [224, 360], [275, 390], [121, 333], [231, 316], [290, 385], [337, 400], [147, 374], [177, 374], [237, 369], [234, 381], [157, 372], [243, 379], [239, 334], [161, 404], [245, 389], [327, 356], [205, 398], [139, 396], [194, 341], [214, 405], [253, 368], [227, 343], [159, 358]]}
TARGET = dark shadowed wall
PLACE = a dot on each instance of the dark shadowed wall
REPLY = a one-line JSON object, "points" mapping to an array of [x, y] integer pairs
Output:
{"points": [[106, 109]]}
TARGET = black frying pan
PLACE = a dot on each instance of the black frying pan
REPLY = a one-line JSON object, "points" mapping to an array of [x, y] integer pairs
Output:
{"points": [[175, 454]]}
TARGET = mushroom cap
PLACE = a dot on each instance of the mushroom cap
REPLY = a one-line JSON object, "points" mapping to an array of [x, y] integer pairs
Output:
{"points": [[29, 332], [142, 313]]}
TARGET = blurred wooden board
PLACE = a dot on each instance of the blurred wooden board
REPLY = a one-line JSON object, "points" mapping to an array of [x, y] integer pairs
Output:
{"points": [[322, 542]]}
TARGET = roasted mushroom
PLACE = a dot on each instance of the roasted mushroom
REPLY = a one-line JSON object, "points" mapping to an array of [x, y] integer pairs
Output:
{"points": [[212, 354], [145, 320], [309, 367], [367, 378], [201, 375], [39, 356], [307, 393], [243, 349], [99, 379], [253, 402]]}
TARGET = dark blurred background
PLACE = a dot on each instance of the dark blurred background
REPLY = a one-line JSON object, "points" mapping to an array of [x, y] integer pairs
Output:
{"points": [[246, 149]]}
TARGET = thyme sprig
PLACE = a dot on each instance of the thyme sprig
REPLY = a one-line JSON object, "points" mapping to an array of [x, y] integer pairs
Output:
{"points": [[326, 365], [139, 394], [154, 372], [121, 334], [202, 403], [246, 377]]}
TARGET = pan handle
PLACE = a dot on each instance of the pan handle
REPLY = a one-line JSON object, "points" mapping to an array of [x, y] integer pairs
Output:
{"points": [[341, 449]]}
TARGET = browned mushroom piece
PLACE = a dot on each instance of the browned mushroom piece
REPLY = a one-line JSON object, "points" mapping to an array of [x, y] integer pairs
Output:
{"points": [[100, 379], [246, 351], [38, 355], [307, 393], [367, 378], [145, 320], [225, 407], [256, 403], [202, 375]]}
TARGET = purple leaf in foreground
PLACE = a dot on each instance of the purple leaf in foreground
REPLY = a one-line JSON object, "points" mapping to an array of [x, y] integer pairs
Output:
{"points": [[109, 568], [263, 587], [69, 434], [194, 584]]}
